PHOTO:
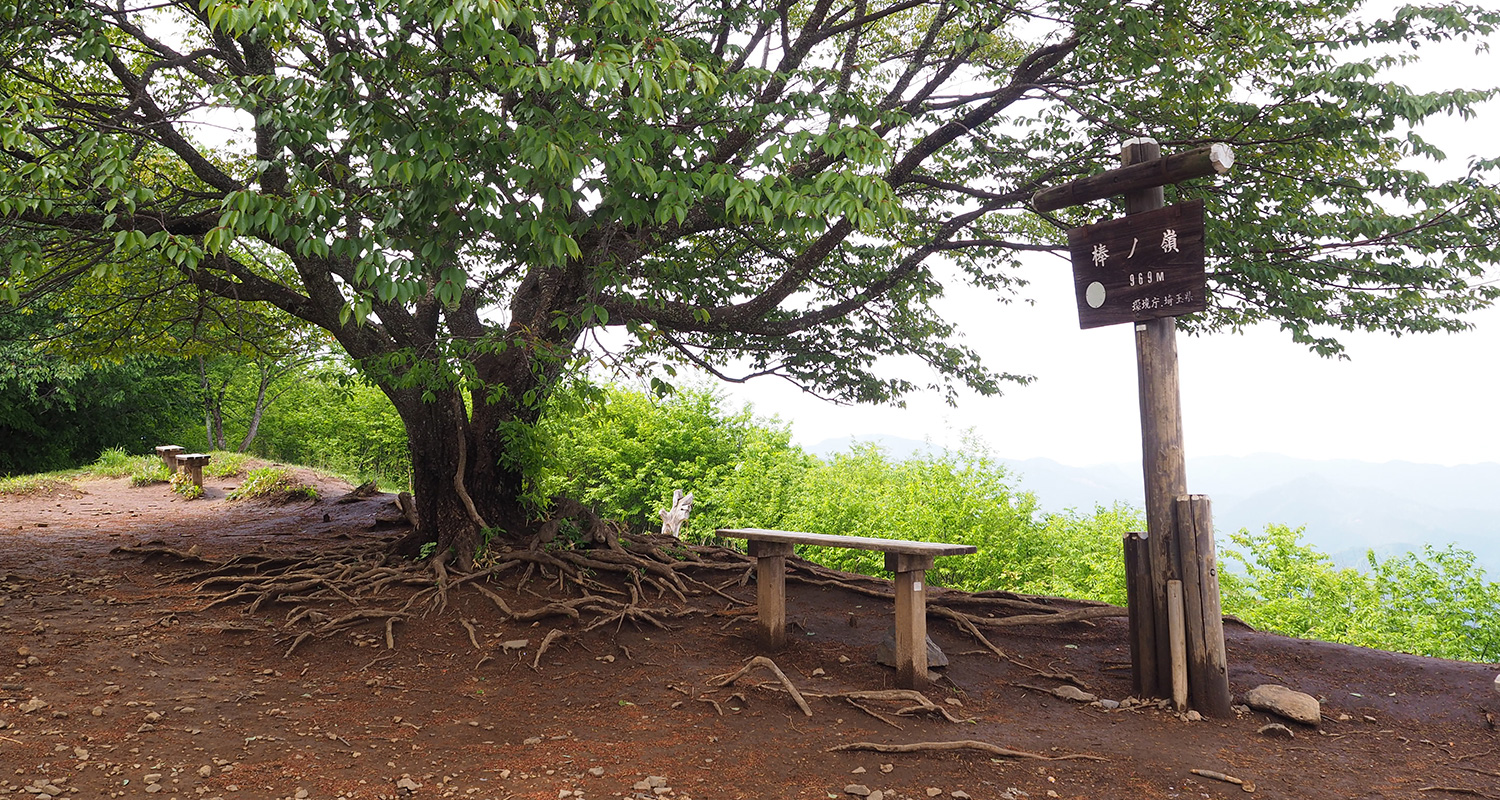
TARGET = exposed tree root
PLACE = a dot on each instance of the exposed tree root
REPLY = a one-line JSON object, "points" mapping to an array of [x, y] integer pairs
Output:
{"points": [[606, 579], [965, 744], [766, 663], [547, 641]]}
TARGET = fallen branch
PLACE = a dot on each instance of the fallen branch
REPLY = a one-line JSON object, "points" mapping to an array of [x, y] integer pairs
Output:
{"points": [[965, 744], [762, 661]]}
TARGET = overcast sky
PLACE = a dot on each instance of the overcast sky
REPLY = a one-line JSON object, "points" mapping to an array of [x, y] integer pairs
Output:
{"points": [[1429, 398]]}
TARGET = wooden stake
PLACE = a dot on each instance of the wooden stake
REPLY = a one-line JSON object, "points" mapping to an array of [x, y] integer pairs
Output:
{"points": [[1178, 645], [1209, 660], [1192, 601], [1142, 622], [1161, 426]]}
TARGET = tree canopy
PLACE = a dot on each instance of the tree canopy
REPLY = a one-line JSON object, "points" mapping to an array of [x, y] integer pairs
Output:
{"points": [[462, 192]]}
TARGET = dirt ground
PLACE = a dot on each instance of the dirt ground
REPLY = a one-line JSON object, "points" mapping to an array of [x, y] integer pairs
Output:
{"points": [[120, 680]]}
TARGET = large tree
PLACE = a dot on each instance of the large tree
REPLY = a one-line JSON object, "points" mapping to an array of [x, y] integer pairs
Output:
{"points": [[461, 191]]}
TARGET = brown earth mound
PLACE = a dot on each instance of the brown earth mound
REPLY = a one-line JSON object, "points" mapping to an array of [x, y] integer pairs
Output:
{"points": [[122, 678]]}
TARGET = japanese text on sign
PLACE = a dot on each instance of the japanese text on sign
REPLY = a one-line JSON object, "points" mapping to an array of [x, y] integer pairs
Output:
{"points": [[1140, 267]]}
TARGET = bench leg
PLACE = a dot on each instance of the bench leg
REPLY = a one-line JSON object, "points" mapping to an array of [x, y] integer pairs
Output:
{"points": [[770, 591], [195, 471], [911, 630]]}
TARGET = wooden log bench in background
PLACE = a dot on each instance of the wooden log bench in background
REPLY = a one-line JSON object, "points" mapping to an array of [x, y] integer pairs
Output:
{"points": [[908, 560], [169, 454]]}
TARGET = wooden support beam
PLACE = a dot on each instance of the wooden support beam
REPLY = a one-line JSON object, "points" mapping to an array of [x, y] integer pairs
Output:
{"points": [[770, 590], [1138, 175]]}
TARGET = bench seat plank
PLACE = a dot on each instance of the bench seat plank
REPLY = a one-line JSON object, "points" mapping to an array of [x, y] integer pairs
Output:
{"points": [[899, 546]]}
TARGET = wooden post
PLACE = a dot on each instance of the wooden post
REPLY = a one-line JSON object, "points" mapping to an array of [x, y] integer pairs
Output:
{"points": [[911, 617], [1177, 645], [1161, 427], [1142, 623], [1208, 664], [770, 590]]}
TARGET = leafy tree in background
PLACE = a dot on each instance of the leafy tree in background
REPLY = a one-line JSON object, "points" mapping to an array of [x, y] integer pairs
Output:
{"points": [[56, 413], [461, 191]]}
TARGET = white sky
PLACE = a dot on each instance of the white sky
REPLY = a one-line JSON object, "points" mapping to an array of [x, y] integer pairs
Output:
{"points": [[1428, 398]]}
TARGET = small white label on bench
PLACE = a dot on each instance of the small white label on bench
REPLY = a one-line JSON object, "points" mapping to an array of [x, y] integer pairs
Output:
{"points": [[916, 586]]}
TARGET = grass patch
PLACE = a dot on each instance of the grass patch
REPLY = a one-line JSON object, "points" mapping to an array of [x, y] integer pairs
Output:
{"points": [[225, 464], [274, 484], [150, 471], [46, 484]]}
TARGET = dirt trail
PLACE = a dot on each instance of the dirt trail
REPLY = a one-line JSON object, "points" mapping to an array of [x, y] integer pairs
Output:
{"points": [[119, 681]]}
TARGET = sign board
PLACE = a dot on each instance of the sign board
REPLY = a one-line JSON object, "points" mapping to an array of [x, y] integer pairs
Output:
{"points": [[1140, 267]]}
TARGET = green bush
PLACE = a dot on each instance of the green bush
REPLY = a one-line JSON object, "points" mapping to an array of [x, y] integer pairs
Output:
{"points": [[623, 452]]}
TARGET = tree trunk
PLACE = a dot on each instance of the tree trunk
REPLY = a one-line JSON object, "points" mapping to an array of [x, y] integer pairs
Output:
{"points": [[259, 412], [445, 443]]}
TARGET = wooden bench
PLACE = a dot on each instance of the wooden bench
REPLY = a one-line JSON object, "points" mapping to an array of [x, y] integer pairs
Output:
{"points": [[908, 560], [192, 464], [169, 454]]}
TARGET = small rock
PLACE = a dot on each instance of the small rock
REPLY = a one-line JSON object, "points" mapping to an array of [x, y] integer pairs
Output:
{"points": [[205, 771], [817, 673], [514, 644], [933, 791], [886, 652], [960, 794], [300, 795], [1285, 702], [1497, 684], [1276, 730], [81, 754], [408, 784], [857, 789], [876, 795], [656, 781], [34, 704], [1077, 695], [857, 771], [596, 771], [97, 711], [1105, 702], [887, 767], [533, 740], [152, 716], [1193, 716]]}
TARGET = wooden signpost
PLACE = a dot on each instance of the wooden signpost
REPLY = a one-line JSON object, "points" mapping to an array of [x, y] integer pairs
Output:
{"points": [[1147, 269]]}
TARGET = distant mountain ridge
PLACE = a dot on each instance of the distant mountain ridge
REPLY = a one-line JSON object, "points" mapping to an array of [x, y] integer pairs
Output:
{"points": [[1346, 506]]}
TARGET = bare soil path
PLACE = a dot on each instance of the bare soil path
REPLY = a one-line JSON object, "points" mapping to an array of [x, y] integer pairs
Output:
{"points": [[118, 679]]}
